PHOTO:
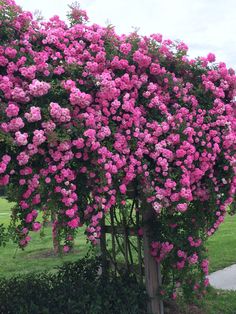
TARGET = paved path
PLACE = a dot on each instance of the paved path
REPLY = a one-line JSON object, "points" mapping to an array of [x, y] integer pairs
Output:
{"points": [[224, 279]]}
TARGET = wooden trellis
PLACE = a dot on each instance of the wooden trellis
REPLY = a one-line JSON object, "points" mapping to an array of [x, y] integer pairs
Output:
{"points": [[125, 250]]}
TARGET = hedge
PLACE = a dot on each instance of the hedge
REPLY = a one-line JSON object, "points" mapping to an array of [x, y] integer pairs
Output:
{"points": [[73, 288]]}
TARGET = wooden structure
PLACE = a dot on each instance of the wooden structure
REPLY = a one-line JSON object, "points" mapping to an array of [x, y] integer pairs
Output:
{"points": [[127, 250]]}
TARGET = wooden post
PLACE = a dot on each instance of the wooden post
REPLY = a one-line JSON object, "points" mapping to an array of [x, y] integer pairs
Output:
{"points": [[151, 267], [102, 249], [139, 246], [55, 241]]}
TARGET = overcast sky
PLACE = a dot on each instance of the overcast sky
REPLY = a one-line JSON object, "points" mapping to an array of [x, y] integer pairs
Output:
{"points": [[204, 25]]}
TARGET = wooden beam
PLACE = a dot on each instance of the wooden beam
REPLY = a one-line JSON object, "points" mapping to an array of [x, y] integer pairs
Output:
{"points": [[121, 230]]}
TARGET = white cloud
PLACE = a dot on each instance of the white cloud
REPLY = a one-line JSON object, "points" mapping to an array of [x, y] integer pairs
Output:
{"points": [[204, 25]]}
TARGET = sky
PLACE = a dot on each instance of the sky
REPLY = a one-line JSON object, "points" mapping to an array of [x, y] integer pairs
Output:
{"points": [[204, 25]]}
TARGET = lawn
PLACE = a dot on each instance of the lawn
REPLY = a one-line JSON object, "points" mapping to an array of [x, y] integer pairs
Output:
{"points": [[222, 253], [222, 245], [38, 256], [219, 302], [5, 207]]}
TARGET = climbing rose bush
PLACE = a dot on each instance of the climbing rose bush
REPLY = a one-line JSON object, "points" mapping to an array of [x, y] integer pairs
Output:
{"points": [[85, 113]]}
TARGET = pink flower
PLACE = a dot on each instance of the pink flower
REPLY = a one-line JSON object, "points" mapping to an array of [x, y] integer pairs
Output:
{"points": [[123, 188], [211, 57], [90, 133], [37, 88], [15, 124], [48, 180], [48, 126], [182, 207], [80, 98], [39, 137], [3, 61], [193, 258], [70, 212], [21, 138], [28, 72], [22, 158], [4, 180], [180, 265], [73, 223], [11, 52], [34, 115], [29, 218], [58, 113], [170, 184], [79, 143], [125, 48], [36, 226], [66, 248], [180, 153], [142, 59], [12, 110]]}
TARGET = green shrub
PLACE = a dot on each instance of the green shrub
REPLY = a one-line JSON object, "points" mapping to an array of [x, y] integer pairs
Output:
{"points": [[75, 288]]}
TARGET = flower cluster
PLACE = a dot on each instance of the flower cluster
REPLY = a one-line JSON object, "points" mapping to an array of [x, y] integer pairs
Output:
{"points": [[160, 250], [34, 115], [58, 113], [37, 88], [86, 113]]}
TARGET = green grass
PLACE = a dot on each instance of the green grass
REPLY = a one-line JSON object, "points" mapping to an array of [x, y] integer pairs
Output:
{"points": [[219, 302], [38, 255], [215, 302], [5, 207], [222, 245]]}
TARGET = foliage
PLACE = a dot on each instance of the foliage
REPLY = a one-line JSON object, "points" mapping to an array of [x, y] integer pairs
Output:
{"points": [[3, 235], [74, 288], [86, 113]]}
